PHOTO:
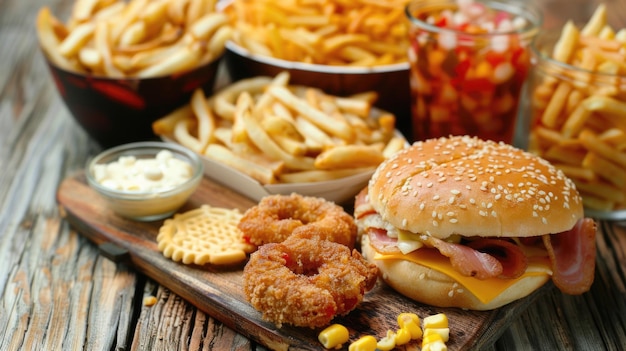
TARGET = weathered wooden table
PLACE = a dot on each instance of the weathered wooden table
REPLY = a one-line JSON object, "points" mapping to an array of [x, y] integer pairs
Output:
{"points": [[59, 293]]}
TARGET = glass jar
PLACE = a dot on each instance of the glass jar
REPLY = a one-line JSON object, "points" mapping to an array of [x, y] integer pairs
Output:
{"points": [[466, 79], [577, 121]]}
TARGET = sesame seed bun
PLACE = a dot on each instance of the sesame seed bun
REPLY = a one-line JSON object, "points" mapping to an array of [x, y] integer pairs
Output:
{"points": [[471, 187], [431, 287]]}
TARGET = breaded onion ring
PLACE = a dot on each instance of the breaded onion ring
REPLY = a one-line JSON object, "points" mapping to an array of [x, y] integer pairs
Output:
{"points": [[276, 217], [306, 282]]}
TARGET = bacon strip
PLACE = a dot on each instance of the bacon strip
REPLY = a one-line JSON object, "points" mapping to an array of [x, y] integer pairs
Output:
{"points": [[382, 242], [362, 206], [513, 260], [573, 256], [467, 261]]}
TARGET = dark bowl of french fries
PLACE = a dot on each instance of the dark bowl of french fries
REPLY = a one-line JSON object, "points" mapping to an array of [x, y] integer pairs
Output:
{"points": [[264, 135], [343, 48], [119, 111], [577, 109], [120, 65]]}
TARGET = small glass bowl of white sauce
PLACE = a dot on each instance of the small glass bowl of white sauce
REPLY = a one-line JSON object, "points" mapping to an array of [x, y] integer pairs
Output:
{"points": [[145, 181]]}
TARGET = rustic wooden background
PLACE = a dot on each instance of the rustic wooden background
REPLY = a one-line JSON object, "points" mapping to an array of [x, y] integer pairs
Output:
{"points": [[58, 293]]}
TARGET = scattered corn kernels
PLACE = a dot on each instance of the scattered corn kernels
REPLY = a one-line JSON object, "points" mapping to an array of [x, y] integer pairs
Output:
{"points": [[388, 342], [334, 336], [365, 343], [439, 320]]}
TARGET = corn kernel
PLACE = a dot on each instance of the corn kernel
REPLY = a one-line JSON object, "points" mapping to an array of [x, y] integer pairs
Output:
{"points": [[439, 320], [388, 342], [405, 317], [413, 328], [431, 338], [334, 336], [444, 332], [149, 301], [435, 346], [365, 343], [403, 336]]}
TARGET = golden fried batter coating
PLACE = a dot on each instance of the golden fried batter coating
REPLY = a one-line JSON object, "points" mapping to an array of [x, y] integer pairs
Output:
{"points": [[276, 217], [306, 281]]}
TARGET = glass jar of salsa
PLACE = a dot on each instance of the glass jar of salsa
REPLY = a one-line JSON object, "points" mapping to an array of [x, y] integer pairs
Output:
{"points": [[469, 60]]}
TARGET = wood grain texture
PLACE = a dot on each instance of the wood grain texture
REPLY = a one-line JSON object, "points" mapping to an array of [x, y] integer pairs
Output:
{"points": [[58, 293], [217, 290]]}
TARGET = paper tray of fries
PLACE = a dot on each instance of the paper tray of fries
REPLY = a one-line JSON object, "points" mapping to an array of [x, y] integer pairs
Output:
{"points": [[262, 136], [340, 190]]}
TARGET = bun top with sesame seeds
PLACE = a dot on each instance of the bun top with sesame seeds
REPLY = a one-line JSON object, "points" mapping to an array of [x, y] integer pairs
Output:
{"points": [[464, 185]]}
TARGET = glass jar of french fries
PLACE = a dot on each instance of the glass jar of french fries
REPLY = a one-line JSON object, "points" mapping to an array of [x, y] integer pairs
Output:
{"points": [[577, 109], [469, 60]]}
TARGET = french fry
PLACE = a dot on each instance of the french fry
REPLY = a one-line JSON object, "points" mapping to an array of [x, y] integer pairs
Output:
{"points": [[90, 58], [206, 120], [102, 43], [239, 131], [276, 125], [320, 175], [182, 60], [76, 39], [394, 145], [596, 23], [291, 146], [556, 104], [204, 27], [566, 45], [255, 170], [336, 127], [135, 33], [50, 42], [224, 101], [350, 156], [606, 169], [594, 144], [313, 136], [603, 191], [577, 172], [268, 146], [183, 135], [83, 9], [109, 11], [166, 125]]}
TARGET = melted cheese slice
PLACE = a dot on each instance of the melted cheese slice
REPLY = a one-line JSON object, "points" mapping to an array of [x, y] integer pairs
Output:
{"points": [[486, 289]]}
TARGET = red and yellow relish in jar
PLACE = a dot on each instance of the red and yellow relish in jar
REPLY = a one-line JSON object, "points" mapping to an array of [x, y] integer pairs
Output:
{"points": [[469, 61]]}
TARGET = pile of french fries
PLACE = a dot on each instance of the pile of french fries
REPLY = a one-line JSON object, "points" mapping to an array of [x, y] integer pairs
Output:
{"points": [[329, 32], [136, 38], [579, 119], [278, 133]]}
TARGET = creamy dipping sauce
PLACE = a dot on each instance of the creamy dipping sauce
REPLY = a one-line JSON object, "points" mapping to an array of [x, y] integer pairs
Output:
{"points": [[161, 173]]}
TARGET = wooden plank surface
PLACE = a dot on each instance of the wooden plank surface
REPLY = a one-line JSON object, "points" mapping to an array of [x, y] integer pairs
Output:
{"points": [[58, 293], [218, 290]]}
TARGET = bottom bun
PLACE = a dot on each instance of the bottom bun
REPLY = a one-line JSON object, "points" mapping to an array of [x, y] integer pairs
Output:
{"points": [[434, 288]]}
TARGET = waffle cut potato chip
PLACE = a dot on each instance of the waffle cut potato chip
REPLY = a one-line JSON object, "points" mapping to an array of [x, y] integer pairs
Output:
{"points": [[205, 235]]}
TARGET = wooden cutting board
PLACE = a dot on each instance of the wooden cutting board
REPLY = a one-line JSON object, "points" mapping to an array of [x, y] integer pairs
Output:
{"points": [[218, 290]]}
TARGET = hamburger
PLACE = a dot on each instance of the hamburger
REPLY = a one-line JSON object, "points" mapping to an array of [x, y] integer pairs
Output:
{"points": [[462, 222]]}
